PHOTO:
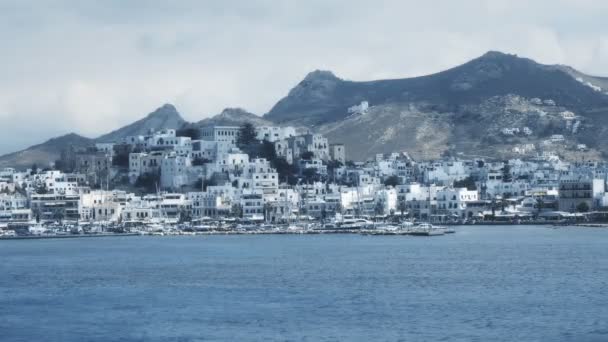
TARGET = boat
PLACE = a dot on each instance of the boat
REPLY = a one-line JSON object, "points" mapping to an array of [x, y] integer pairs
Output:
{"points": [[355, 223], [427, 229], [449, 230]]}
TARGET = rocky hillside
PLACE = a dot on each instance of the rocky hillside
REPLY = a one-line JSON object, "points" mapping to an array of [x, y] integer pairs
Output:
{"points": [[233, 117], [45, 153], [497, 105], [163, 117]]}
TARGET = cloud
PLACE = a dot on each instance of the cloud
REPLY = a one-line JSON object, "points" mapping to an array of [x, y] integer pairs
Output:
{"points": [[90, 66]]}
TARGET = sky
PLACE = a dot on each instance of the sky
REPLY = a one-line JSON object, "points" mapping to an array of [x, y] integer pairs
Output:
{"points": [[93, 66]]}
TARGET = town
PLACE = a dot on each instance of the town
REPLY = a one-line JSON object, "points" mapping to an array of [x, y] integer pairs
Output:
{"points": [[223, 179]]}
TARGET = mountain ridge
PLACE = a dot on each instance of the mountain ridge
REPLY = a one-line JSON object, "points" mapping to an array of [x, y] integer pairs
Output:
{"points": [[44, 153], [165, 116], [461, 110], [321, 100]]}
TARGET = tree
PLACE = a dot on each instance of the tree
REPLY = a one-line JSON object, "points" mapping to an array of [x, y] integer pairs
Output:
{"points": [[323, 214], [236, 210], [493, 206], [198, 184], [199, 161], [121, 155], [308, 155], [34, 169], [379, 208], [392, 181], [148, 181], [184, 215], [506, 173], [41, 189], [402, 207], [247, 135], [217, 178], [59, 164], [267, 209], [338, 208], [503, 204], [286, 171], [58, 216], [468, 183], [309, 174], [582, 207], [190, 132], [267, 151], [539, 205]]}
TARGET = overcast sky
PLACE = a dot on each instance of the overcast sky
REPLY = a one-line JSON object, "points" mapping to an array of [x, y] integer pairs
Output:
{"points": [[92, 66]]}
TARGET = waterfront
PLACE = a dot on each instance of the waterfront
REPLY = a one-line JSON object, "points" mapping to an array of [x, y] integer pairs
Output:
{"points": [[501, 283]]}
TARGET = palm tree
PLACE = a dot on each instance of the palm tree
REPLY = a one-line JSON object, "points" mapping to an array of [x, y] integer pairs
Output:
{"points": [[493, 206], [539, 205], [267, 208], [503, 204], [379, 209], [402, 208], [237, 210]]}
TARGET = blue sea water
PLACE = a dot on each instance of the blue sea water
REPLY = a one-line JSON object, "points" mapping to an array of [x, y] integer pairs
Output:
{"points": [[480, 284]]}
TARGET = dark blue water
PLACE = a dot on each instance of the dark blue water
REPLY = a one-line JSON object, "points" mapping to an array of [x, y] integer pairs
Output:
{"points": [[480, 284]]}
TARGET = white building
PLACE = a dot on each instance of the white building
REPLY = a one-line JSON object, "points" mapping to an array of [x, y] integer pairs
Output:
{"points": [[453, 201], [337, 152], [387, 200], [100, 206], [292, 148], [274, 133], [176, 171], [228, 134]]}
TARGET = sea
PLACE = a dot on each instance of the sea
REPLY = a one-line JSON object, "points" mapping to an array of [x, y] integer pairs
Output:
{"points": [[483, 283]]}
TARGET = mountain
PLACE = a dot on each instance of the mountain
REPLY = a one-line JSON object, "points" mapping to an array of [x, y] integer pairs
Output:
{"points": [[459, 111], [233, 117], [164, 117], [45, 153], [321, 97], [497, 106]]}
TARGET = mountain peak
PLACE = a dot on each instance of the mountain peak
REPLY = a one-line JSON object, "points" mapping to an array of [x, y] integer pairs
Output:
{"points": [[497, 54], [501, 58], [321, 75], [163, 117], [234, 111], [166, 111], [233, 116], [66, 139]]}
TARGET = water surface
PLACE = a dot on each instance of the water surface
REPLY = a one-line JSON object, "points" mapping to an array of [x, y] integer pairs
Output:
{"points": [[480, 284]]}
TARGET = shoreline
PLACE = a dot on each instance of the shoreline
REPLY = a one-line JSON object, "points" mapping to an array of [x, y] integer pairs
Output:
{"points": [[366, 232]]}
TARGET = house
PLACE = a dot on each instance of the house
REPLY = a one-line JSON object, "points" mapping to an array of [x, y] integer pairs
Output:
{"points": [[292, 148], [337, 152], [580, 193], [452, 202], [274, 133], [228, 134], [100, 206], [176, 171]]}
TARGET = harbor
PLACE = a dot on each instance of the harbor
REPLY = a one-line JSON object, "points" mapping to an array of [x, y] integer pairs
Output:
{"points": [[349, 226]]}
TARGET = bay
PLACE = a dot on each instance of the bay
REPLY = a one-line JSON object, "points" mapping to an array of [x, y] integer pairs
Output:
{"points": [[484, 283]]}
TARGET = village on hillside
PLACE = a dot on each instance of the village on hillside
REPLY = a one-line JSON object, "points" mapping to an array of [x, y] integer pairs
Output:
{"points": [[240, 178]]}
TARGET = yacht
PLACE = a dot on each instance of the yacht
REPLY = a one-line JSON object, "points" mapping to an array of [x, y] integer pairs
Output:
{"points": [[427, 229], [355, 223]]}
